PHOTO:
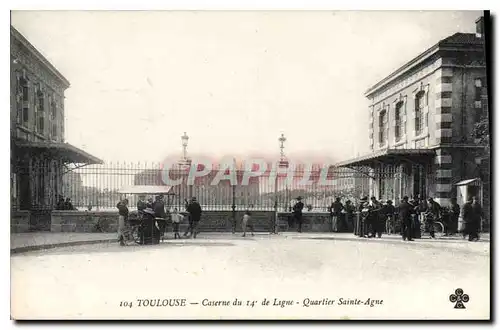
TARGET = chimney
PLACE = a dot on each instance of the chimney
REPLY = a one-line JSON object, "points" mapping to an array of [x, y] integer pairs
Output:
{"points": [[480, 27]]}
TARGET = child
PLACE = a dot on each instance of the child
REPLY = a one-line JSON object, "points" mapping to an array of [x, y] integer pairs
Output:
{"points": [[176, 220], [246, 222]]}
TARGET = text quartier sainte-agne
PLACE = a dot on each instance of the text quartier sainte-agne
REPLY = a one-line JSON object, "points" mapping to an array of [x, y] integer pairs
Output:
{"points": [[305, 174]]}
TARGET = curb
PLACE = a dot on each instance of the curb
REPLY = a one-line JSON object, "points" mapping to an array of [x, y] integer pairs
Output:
{"points": [[56, 245]]}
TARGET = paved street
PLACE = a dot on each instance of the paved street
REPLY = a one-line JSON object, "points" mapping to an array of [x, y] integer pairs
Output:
{"points": [[413, 279]]}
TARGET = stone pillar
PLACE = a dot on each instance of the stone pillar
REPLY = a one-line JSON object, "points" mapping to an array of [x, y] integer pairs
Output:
{"points": [[443, 172], [443, 104]]}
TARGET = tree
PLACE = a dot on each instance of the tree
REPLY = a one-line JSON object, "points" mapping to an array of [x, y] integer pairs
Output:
{"points": [[481, 132]]}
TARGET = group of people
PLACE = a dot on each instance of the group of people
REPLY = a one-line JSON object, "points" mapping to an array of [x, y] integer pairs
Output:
{"points": [[152, 215], [64, 204]]}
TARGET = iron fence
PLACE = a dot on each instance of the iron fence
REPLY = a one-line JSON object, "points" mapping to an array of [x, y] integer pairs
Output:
{"points": [[97, 187]]}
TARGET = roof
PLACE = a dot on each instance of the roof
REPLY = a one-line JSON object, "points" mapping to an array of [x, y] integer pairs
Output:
{"points": [[457, 39], [387, 155], [18, 36], [64, 151], [467, 182], [147, 190]]}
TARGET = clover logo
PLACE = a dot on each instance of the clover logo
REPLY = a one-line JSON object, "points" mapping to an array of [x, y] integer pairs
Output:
{"points": [[459, 298]]}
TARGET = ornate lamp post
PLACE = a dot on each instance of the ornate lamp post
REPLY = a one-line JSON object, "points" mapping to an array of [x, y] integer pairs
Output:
{"points": [[185, 140], [281, 163], [185, 162]]}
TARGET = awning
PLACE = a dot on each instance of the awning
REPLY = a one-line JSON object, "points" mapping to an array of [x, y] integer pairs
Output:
{"points": [[147, 190], [390, 156], [64, 151], [469, 182]]}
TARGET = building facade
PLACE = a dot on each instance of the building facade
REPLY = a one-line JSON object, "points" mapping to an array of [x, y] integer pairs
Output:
{"points": [[421, 121], [39, 154]]}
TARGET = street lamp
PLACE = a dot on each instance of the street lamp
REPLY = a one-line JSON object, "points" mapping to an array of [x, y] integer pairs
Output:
{"points": [[185, 140]]}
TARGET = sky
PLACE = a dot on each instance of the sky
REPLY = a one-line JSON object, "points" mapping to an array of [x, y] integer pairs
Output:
{"points": [[234, 81]]}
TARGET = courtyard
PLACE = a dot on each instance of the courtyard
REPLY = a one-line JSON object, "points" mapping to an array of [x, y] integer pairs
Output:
{"points": [[224, 276]]}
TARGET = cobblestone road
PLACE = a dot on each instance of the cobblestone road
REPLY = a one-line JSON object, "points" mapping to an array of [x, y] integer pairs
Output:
{"points": [[414, 279]]}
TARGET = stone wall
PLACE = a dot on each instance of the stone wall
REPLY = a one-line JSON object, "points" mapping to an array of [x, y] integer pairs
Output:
{"points": [[211, 221], [83, 221], [20, 221]]}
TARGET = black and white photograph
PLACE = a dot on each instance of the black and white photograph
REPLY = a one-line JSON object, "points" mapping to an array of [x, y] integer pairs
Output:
{"points": [[250, 165]]}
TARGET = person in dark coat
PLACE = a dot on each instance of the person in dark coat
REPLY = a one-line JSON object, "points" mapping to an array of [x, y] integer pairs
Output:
{"points": [[433, 214], [405, 214], [468, 219], [297, 213], [336, 214], [477, 216], [375, 218], [194, 210], [362, 214], [387, 213], [141, 204], [122, 207], [149, 233], [159, 209], [349, 213], [454, 214]]}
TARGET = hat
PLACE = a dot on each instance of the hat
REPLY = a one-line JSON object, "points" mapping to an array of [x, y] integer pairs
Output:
{"points": [[193, 199], [149, 211], [364, 198], [299, 198]]}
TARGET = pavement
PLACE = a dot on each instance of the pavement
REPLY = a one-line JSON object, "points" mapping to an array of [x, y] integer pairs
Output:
{"points": [[23, 242], [206, 277]]}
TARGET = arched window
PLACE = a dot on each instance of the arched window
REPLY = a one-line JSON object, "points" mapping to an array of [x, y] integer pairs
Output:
{"points": [[398, 114], [419, 112], [382, 127]]}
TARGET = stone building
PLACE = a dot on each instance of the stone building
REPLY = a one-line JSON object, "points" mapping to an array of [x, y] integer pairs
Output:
{"points": [[39, 154], [421, 124]]}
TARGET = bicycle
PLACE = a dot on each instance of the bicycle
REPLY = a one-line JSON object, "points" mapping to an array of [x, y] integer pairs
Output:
{"points": [[132, 234], [437, 226]]}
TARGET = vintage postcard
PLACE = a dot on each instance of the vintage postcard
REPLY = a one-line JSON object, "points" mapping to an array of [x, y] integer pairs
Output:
{"points": [[250, 165]]}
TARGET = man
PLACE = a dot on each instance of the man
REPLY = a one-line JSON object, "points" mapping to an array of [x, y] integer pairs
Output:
{"points": [[477, 216], [454, 214], [194, 210], [387, 213], [433, 214], [405, 211], [122, 218], [335, 214], [374, 218], [362, 217], [349, 213], [468, 219], [141, 204], [297, 213], [159, 210]]}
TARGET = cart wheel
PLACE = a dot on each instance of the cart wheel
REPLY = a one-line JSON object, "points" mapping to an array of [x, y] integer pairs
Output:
{"points": [[135, 235], [438, 229]]}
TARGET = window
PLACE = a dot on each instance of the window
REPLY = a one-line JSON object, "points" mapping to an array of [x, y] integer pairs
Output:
{"points": [[419, 112], [382, 127], [40, 110], [54, 131], [398, 132], [22, 100]]}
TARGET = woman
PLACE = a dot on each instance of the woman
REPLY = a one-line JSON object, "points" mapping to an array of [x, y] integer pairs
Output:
{"points": [[150, 234]]}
